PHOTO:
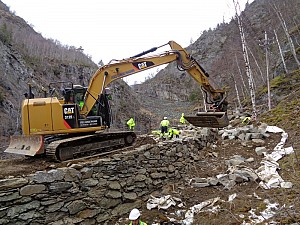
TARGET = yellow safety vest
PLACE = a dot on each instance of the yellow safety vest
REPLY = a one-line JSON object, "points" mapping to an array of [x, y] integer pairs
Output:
{"points": [[182, 119], [164, 123], [131, 123], [140, 223], [246, 120]]}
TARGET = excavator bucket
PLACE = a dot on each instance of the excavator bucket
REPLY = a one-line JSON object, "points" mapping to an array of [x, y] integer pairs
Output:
{"points": [[209, 119], [26, 145]]}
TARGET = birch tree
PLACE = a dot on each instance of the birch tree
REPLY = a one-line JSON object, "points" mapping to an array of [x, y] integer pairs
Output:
{"points": [[257, 65], [204, 102], [281, 54], [244, 89], [237, 92], [247, 63], [290, 41], [267, 68]]}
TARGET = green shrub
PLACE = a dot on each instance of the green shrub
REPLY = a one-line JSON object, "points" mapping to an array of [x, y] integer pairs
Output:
{"points": [[193, 96], [1, 98], [5, 34]]}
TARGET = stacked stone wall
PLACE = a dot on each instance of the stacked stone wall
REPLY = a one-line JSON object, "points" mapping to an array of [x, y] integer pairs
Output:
{"points": [[93, 192]]}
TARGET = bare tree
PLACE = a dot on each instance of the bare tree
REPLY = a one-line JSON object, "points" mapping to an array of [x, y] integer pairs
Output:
{"points": [[266, 45], [247, 63], [290, 41], [260, 72], [237, 92], [244, 90], [203, 97], [281, 54]]}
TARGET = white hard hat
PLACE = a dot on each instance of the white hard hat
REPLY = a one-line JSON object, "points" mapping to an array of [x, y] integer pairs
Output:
{"points": [[134, 214], [165, 118]]}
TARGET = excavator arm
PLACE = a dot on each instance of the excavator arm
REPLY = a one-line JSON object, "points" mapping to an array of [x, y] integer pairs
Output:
{"points": [[215, 97], [122, 68]]}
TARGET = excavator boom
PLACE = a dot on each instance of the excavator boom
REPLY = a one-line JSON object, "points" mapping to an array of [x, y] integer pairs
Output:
{"points": [[216, 118]]}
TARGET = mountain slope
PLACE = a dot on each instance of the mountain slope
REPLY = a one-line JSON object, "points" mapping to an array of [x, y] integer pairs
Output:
{"points": [[28, 58], [219, 51]]}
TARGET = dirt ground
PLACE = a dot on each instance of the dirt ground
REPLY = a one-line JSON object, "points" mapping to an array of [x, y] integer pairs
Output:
{"points": [[211, 163], [16, 165], [249, 194]]}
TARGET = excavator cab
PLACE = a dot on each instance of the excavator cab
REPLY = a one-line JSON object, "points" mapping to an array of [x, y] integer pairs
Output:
{"points": [[101, 108]]}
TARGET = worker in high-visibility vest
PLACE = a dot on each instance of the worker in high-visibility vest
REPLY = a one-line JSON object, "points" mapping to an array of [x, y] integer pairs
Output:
{"points": [[81, 103], [131, 123], [182, 119], [247, 120], [164, 124], [172, 132]]}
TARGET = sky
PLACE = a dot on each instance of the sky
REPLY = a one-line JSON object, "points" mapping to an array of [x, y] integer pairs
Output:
{"points": [[118, 29]]}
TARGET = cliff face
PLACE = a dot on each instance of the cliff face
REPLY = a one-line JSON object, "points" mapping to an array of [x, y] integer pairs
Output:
{"points": [[15, 77]]}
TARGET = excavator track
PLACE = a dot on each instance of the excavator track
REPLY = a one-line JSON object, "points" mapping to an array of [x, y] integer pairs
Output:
{"points": [[88, 145]]}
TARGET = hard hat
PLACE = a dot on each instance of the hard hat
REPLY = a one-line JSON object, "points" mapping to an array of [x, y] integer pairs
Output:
{"points": [[134, 214], [165, 118]]}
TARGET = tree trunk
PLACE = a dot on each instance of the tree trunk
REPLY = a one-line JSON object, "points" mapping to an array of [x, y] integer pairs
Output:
{"points": [[261, 74], [247, 64], [281, 54], [267, 68], [283, 24], [244, 90], [204, 103], [237, 92]]}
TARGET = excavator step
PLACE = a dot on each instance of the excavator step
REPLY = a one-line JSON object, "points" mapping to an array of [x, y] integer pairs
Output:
{"points": [[209, 119]]}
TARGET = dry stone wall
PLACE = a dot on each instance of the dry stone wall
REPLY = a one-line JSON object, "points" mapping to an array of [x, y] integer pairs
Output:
{"points": [[95, 191]]}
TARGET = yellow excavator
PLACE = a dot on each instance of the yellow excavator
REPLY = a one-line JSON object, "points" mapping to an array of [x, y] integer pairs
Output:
{"points": [[76, 125]]}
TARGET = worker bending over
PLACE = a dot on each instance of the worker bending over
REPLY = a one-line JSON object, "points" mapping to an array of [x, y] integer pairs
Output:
{"points": [[172, 132]]}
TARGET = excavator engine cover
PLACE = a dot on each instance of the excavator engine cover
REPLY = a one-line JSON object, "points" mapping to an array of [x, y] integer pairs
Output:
{"points": [[209, 119], [26, 145]]}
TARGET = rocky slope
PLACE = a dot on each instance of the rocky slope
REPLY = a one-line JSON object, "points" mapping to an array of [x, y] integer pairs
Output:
{"points": [[219, 51]]}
